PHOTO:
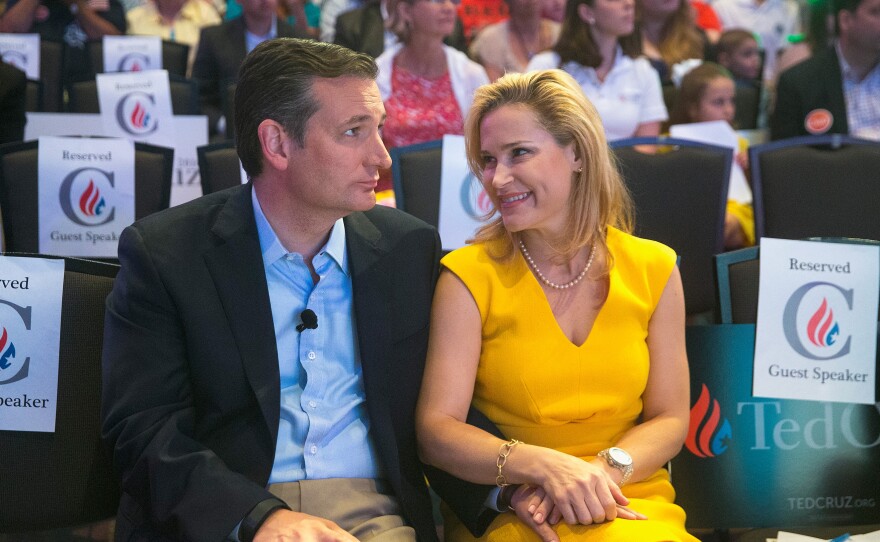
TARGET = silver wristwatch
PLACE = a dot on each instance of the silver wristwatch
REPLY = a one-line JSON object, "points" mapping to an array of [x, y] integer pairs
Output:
{"points": [[619, 459]]}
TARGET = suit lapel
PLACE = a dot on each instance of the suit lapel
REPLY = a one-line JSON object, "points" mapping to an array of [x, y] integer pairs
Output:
{"points": [[370, 286], [237, 44], [236, 265]]}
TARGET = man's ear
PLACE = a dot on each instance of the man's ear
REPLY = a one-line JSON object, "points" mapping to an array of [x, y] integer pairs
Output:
{"points": [[275, 144]]}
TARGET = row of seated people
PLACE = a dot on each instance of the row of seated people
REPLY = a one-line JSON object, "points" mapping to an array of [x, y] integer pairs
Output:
{"points": [[667, 34]]}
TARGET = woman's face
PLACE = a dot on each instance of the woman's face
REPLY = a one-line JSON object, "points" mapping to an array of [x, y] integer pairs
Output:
{"points": [[554, 10], [745, 62], [526, 8], [429, 17], [528, 174], [717, 102], [659, 9], [611, 17]]}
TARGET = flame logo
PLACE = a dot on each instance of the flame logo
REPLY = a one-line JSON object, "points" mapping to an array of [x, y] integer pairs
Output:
{"points": [[822, 330], [484, 203], [6, 352], [90, 202], [139, 116], [136, 67], [708, 432]]}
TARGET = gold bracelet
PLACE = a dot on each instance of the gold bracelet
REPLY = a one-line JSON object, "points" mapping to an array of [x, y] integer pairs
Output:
{"points": [[503, 452]]}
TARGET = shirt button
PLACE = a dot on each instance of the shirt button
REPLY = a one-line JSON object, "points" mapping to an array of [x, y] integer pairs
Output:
{"points": [[313, 404], [312, 355], [289, 257], [313, 449]]}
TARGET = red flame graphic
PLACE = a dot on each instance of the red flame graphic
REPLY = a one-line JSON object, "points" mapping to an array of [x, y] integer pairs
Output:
{"points": [[817, 327], [136, 67], [484, 203], [89, 199], [3, 340], [137, 115], [701, 446]]}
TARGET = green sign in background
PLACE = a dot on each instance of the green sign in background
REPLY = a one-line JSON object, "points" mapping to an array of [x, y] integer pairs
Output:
{"points": [[775, 462]]}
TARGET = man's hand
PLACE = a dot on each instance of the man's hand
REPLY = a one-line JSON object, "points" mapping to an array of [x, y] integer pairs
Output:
{"points": [[525, 501], [288, 526]]}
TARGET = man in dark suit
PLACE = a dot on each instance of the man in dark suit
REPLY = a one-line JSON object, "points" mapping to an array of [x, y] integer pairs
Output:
{"points": [[837, 90], [264, 345], [363, 29], [222, 49], [13, 84]]}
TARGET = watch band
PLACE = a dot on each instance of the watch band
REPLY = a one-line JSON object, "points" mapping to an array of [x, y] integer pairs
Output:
{"points": [[257, 516], [625, 468]]}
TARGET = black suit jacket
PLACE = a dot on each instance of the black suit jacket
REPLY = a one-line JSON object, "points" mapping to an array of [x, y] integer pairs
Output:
{"points": [[220, 53], [815, 83], [191, 380], [13, 84], [363, 30]]}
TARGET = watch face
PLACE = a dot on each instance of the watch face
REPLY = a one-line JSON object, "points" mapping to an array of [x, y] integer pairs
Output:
{"points": [[620, 456]]}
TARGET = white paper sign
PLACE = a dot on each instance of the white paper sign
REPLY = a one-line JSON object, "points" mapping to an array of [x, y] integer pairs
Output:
{"points": [[132, 53], [463, 202], [136, 105], [30, 331], [816, 333], [86, 195], [23, 52], [187, 134], [722, 134]]}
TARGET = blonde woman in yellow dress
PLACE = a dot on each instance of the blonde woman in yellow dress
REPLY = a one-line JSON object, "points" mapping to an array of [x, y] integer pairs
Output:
{"points": [[561, 327]]}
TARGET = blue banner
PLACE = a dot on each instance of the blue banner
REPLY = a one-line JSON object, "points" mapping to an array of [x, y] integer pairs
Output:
{"points": [[757, 462]]}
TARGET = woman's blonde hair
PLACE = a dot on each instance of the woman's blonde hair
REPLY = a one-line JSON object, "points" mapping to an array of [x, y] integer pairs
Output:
{"points": [[680, 38], [598, 195]]}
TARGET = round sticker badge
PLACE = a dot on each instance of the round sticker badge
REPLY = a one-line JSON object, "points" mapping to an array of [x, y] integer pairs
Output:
{"points": [[818, 121]]}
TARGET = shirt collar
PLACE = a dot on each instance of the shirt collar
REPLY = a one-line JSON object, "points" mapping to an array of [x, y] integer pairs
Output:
{"points": [[846, 70], [251, 38], [273, 250]]}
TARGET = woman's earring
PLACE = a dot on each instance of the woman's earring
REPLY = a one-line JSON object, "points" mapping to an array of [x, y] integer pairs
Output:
{"points": [[580, 169]]}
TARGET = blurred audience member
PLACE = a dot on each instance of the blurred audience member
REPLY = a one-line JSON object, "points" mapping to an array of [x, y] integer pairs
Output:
{"points": [[303, 15], [427, 86], [670, 35], [707, 20], [478, 14], [12, 101], [738, 51], [509, 45], [330, 11], [819, 35], [223, 47], [837, 90], [599, 47], [554, 10], [772, 20], [70, 21], [173, 20], [363, 30], [707, 94]]}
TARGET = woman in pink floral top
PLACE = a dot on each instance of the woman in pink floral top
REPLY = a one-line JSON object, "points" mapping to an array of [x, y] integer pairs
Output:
{"points": [[427, 86]]}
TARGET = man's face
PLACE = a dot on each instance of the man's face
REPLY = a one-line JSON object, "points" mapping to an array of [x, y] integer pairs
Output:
{"points": [[259, 8], [335, 172], [862, 27]]}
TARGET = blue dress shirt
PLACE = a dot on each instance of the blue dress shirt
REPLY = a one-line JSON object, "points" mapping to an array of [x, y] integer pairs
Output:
{"points": [[323, 431]]}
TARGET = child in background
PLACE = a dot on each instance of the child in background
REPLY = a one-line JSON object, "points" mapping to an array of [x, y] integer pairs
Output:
{"points": [[738, 51], [707, 94]]}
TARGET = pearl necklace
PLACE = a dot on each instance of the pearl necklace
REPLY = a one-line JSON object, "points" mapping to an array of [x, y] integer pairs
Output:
{"points": [[547, 281]]}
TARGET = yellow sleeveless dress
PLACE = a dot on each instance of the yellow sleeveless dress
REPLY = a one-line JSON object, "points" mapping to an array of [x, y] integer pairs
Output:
{"points": [[542, 389]]}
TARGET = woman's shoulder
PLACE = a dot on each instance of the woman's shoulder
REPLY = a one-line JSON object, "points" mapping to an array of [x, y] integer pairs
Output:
{"points": [[637, 251], [544, 61], [467, 256], [461, 63]]}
